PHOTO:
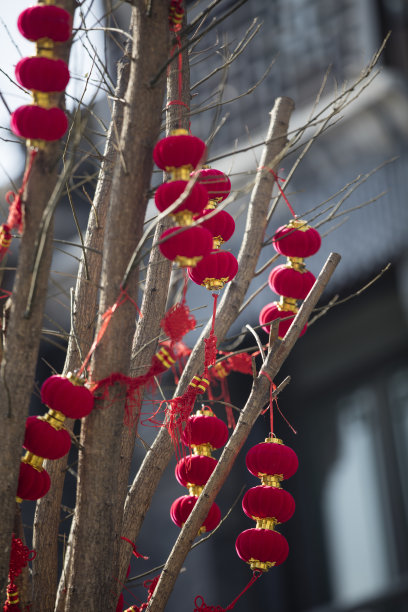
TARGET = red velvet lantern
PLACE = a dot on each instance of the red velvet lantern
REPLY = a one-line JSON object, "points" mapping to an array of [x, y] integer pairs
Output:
{"points": [[285, 280], [37, 123], [273, 311], [42, 439], [194, 203], [205, 432], [188, 247], [42, 74], [297, 239], [194, 471], [268, 505], [213, 271], [272, 461], [262, 548], [179, 150], [221, 226], [67, 395], [182, 507], [33, 483], [45, 21], [217, 184]]}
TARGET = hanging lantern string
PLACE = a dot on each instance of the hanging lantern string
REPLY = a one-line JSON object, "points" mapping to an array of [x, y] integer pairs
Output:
{"points": [[278, 180], [175, 18], [106, 317], [272, 400], [201, 606], [210, 350]]}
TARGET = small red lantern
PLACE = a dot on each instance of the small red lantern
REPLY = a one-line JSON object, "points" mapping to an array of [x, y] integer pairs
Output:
{"points": [[214, 270], [268, 505], [194, 471], [186, 248], [204, 432], [37, 123], [262, 548], [42, 439], [33, 482], [217, 184], [273, 311], [45, 21], [179, 154], [272, 461], [221, 225], [286, 281], [297, 239], [194, 203], [67, 396], [182, 507], [42, 74]]}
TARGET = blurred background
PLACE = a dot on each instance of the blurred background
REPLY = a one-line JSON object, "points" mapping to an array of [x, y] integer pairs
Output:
{"points": [[348, 398]]}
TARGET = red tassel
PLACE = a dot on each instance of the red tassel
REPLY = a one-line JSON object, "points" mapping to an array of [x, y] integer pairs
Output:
{"points": [[19, 557]]}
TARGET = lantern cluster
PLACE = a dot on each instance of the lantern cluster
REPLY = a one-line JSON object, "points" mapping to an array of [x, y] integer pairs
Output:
{"points": [[195, 247], [46, 437], [268, 504], [292, 281], [204, 433], [47, 25]]}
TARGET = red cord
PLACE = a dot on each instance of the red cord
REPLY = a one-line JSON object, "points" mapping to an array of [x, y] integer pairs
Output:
{"points": [[277, 179]]}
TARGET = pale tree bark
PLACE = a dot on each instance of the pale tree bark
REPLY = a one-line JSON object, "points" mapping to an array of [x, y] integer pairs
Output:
{"points": [[158, 456], [93, 569], [24, 329], [155, 293], [252, 409], [85, 305]]}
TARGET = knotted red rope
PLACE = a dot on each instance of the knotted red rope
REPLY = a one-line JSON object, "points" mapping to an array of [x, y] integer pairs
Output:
{"points": [[135, 552], [15, 216], [201, 606], [150, 585], [106, 317]]}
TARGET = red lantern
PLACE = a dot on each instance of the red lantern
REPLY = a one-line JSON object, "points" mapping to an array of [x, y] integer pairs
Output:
{"points": [[273, 311], [272, 461], [188, 247], [37, 123], [221, 225], [45, 21], [262, 548], [33, 483], [286, 281], [182, 507], [42, 439], [169, 192], [214, 270], [42, 74], [179, 150], [67, 395], [195, 470], [297, 239], [268, 505], [205, 432], [217, 184]]}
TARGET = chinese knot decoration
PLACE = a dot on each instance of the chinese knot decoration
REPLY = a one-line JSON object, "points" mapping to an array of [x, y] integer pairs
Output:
{"points": [[19, 557], [44, 75], [292, 281], [46, 437], [268, 504], [204, 433]]}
